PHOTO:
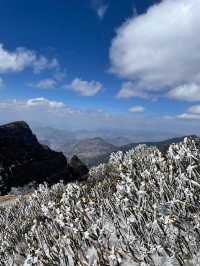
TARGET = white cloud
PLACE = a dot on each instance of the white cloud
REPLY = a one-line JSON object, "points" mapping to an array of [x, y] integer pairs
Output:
{"points": [[37, 108], [130, 89], [193, 113], [21, 58], [137, 109], [160, 49], [187, 92], [41, 63], [41, 110], [44, 102], [186, 116], [31, 103], [85, 88], [54, 113], [195, 109], [45, 84]]}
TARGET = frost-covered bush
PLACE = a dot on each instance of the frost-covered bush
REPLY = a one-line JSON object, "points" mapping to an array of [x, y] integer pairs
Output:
{"points": [[30, 187], [142, 208]]}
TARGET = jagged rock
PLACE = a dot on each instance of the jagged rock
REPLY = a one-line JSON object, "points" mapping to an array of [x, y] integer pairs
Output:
{"points": [[79, 169], [23, 159]]}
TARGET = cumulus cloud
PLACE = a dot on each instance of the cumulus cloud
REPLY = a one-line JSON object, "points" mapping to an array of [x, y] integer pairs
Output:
{"points": [[193, 113], [195, 109], [21, 58], [186, 116], [44, 102], [48, 83], [52, 113], [187, 92], [137, 109], [35, 107], [41, 63], [32, 103], [41, 110], [160, 49], [131, 89], [85, 88]]}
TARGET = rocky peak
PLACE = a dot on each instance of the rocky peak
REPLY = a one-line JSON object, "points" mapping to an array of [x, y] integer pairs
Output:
{"points": [[23, 159]]}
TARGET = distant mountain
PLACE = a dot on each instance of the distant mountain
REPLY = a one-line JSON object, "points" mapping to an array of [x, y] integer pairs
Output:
{"points": [[56, 139], [77, 143], [59, 139], [88, 149], [23, 159], [119, 141], [161, 145], [127, 135], [95, 147]]}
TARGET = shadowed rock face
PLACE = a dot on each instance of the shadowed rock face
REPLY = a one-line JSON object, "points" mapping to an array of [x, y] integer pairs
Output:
{"points": [[78, 168], [23, 159]]}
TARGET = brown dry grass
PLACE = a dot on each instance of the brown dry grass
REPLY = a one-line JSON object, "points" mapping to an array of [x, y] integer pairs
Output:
{"points": [[7, 198]]}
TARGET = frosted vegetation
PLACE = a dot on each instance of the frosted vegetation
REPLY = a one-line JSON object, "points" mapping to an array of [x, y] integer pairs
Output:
{"points": [[142, 208]]}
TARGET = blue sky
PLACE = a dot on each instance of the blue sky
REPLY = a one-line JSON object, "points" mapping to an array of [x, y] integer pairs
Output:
{"points": [[100, 64]]}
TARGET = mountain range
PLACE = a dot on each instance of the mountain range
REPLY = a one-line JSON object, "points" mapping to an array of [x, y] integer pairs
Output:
{"points": [[104, 157], [23, 159], [95, 147]]}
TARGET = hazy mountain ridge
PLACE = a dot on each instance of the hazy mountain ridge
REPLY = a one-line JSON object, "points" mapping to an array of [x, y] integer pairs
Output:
{"points": [[88, 149], [161, 145], [103, 156], [95, 147], [56, 139]]}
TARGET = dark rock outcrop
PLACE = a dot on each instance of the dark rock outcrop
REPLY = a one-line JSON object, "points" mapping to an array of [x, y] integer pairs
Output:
{"points": [[23, 159], [78, 168]]}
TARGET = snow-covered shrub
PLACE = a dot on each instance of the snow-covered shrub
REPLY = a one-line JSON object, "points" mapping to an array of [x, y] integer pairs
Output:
{"points": [[142, 208], [98, 172], [30, 187]]}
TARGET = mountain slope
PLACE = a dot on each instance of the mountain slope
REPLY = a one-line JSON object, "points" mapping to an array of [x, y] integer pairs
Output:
{"points": [[161, 145], [88, 149]]}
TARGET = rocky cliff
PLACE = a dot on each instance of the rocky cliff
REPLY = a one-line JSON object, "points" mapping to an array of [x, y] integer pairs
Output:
{"points": [[23, 159]]}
